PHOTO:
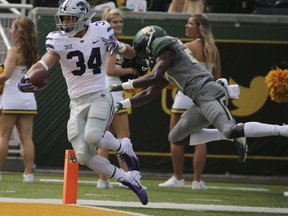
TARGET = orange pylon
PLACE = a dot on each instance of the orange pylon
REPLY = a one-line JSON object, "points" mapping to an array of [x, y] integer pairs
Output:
{"points": [[70, 184]]}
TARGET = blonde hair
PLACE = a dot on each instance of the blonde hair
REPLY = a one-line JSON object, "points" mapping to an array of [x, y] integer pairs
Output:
{"points": [[210, 49], [26, 40], [109, 13]]}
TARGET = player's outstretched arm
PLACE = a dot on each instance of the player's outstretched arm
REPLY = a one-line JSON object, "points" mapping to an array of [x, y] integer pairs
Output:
{"points": [[142, 97]]}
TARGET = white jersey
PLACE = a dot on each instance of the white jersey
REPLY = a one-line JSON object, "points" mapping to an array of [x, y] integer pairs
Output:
{"points": [[82, 60], [14, 101]]}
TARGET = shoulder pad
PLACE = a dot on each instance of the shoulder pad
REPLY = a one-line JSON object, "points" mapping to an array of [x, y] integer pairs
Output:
{"points": [[161, 44]]}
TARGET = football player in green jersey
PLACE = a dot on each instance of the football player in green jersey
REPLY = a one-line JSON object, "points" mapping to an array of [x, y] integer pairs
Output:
{"points": [[174, 63]]}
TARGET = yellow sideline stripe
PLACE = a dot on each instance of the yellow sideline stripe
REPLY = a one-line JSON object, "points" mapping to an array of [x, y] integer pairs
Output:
{"points": [[37, 209], [254, 157], [224, 40]]}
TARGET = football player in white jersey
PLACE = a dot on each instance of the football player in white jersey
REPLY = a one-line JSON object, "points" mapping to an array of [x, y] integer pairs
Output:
{"points": [[80, 47]]}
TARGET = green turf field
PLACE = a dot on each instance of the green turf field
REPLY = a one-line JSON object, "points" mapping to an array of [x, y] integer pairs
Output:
{"points": [[221, 198]]}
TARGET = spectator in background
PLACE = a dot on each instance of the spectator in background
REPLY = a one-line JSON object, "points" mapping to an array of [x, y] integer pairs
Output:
{"points": [[119, 126], [18, 109], [187, 6], [205, 51], [157, 5], [233, 6]]}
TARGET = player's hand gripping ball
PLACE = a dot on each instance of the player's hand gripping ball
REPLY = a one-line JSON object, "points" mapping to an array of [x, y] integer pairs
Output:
{"points": [[34, 81]]}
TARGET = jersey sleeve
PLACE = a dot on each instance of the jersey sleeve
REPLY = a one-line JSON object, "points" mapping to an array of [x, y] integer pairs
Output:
{"points": [[161, 44], [104, 29], [51, 39]]}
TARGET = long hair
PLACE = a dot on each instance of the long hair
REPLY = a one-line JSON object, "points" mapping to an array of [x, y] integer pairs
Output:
{"points": [[109, 13], [210, 49], [26, 40]]}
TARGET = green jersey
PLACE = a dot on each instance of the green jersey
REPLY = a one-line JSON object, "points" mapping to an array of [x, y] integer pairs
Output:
{"points": [[184, 72]]}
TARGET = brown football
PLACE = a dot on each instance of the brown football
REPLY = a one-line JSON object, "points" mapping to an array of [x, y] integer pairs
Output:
{"points": [[39, 78]]}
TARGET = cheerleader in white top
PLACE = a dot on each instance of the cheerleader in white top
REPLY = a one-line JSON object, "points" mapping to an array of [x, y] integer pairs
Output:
{"points": [[18, 108]]}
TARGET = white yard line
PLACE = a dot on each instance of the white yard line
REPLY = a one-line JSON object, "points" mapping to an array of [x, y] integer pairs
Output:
{"points": [[193, 207], [187, 186]]}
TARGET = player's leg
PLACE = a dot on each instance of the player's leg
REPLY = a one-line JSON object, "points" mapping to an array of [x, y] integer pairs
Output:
{"points": [[99, 117], [219, 116], [190, 122], [257, 129], [86, 153], [130, 179], [120, 125]]}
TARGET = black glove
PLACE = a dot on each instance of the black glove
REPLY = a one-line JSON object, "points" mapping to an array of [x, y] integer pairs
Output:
{"points": [[115, 87], [137, 63], [118, 106]]}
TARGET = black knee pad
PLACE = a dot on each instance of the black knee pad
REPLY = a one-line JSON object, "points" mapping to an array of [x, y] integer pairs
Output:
{"points": [[237, 131]]}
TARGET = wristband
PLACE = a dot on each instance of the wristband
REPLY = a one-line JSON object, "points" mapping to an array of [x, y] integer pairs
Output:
{"points": [[233, 91], [126, 103], [123, 48], [128, 84], [43, 64]]}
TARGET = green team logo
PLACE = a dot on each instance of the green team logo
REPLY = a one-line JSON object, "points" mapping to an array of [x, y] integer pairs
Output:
{"points": [[73, 158]]}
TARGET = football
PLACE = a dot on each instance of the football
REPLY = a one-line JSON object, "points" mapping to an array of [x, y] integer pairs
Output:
{"points": [[39, 78]]}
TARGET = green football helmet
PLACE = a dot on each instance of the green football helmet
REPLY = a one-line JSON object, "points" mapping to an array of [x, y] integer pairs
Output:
{"points": [[143, 40]]}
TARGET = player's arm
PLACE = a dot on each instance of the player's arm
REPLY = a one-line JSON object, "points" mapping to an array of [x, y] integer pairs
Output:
{"points": [[46, 62], [142, 97], [158, 71], [112, 70], [115, 46]]}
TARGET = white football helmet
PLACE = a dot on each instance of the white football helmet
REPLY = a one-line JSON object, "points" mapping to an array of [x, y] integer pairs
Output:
{"points": [[80, 16]]}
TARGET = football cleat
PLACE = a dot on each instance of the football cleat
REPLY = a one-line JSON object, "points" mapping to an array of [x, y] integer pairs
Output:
{"points": [[242, 148], [128, 155], [132, 181]]}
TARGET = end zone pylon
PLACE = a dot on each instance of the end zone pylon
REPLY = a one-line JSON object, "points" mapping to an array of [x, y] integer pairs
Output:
{"points": [[70, 184]]}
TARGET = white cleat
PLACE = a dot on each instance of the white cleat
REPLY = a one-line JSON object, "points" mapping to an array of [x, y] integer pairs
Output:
{"points": [[102, 184], [28, 178], [198, 185], [173, 183]]}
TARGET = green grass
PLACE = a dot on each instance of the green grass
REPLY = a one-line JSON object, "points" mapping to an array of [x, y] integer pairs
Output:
{"points": [[268, 195]]}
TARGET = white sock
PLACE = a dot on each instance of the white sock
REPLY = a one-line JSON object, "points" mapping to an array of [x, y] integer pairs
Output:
{"points": [[101, 166], [206, 135], [109, 142], [256, 129], [119, 175]]}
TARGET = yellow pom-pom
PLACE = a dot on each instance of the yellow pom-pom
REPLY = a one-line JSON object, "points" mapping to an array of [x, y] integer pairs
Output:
{"points": [[277, 82]]}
